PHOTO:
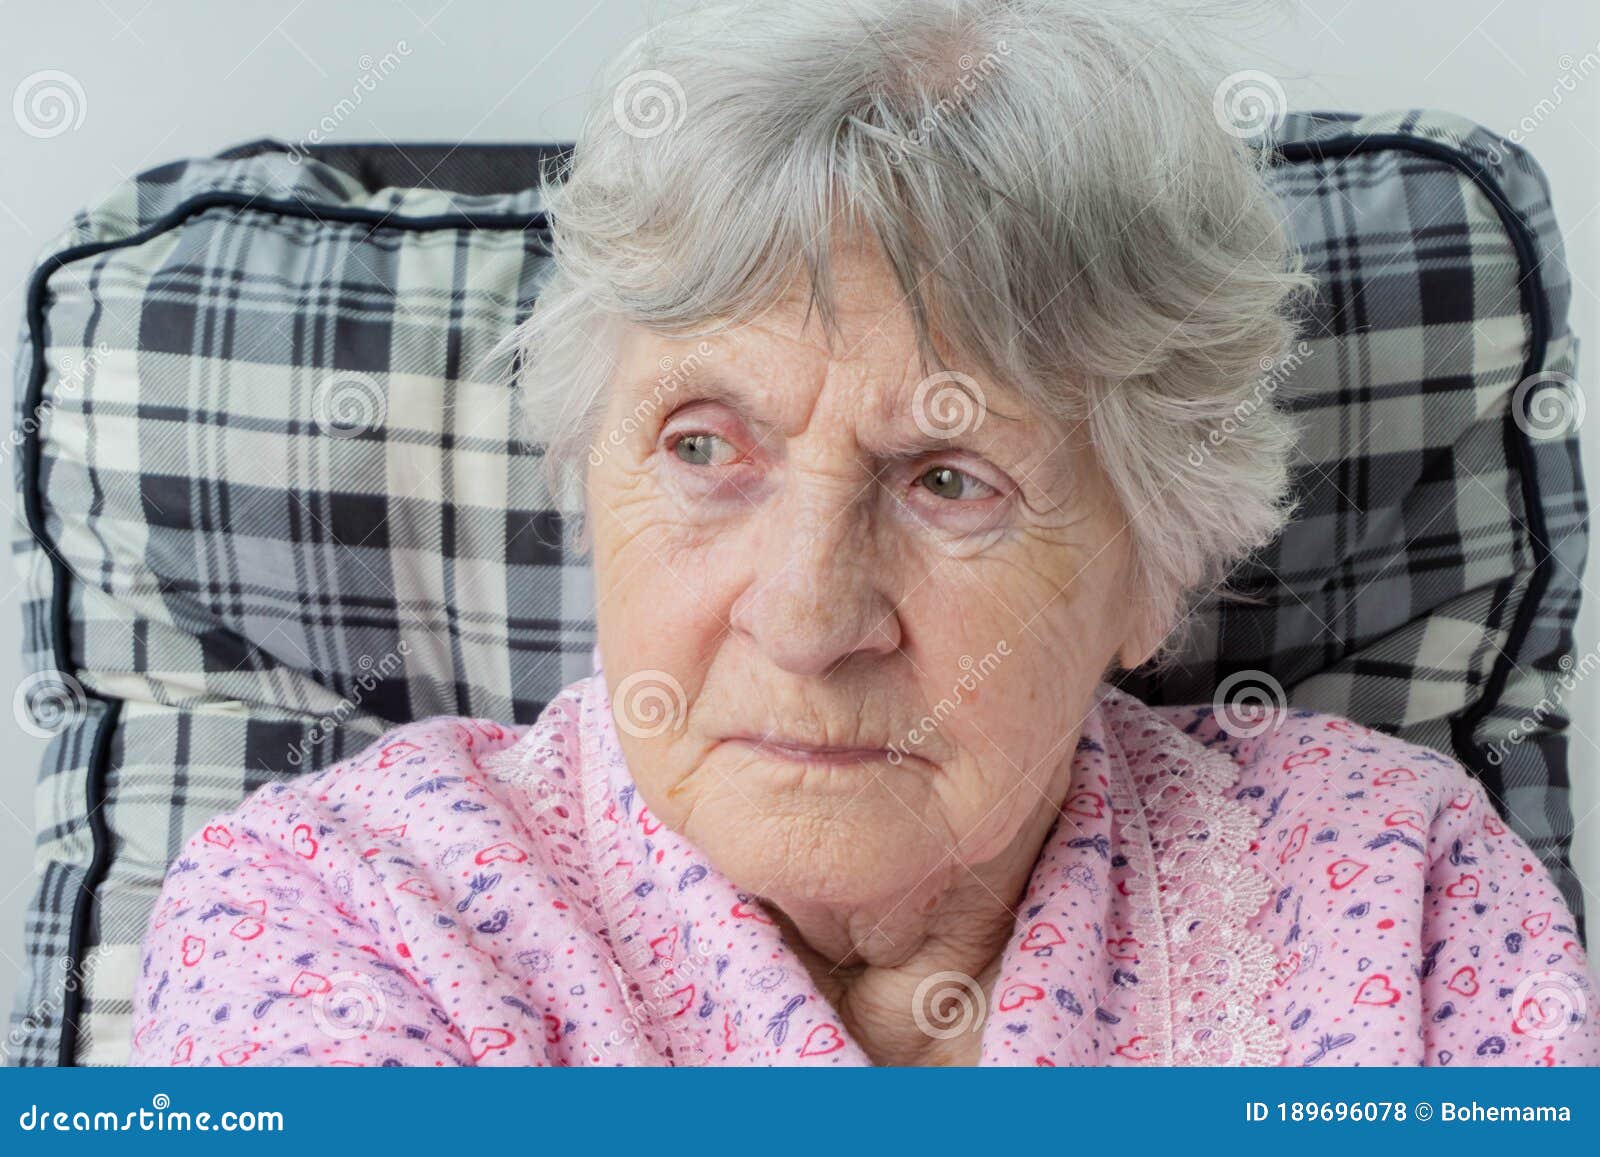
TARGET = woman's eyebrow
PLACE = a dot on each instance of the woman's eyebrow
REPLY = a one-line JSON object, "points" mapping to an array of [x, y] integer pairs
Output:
{"points": [[681, 384], [958, 420]]}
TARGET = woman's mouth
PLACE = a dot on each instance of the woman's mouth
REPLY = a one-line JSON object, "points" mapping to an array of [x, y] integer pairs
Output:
{"points": [[793, 751]]}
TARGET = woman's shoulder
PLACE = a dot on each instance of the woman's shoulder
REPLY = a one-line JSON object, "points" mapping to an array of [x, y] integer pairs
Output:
{"points": [[405, 871], [1318, 781], [440, 778], [1409, 922], [1299, 759], [415, 762]]}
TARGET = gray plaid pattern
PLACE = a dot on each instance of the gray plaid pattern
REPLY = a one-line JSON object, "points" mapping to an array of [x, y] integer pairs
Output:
{"points": [[278, 504]]}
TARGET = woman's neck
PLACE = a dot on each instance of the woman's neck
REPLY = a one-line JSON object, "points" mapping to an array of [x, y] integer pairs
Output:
{"points": [[895, 1016], [902, 974]]}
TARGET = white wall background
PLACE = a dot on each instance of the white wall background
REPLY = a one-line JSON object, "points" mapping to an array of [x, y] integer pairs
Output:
{"points": [[169, 78]]}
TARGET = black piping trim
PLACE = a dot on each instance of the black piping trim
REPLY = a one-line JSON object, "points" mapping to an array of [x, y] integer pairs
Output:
{"points": [[61, 575], [99, 864], [1536, 305]]}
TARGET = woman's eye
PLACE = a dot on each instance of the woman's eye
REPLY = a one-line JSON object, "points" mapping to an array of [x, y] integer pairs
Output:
{"points": [[702, 449], [957, 485]]}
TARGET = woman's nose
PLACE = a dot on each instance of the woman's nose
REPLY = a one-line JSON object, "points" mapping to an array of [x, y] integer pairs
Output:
{"points": [[817, 601]]}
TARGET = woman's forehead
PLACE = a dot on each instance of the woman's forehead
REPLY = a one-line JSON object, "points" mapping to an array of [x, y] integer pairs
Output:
{"points": [[776, 369]]}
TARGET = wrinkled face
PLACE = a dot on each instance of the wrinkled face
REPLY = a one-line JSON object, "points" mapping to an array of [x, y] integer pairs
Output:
{"points": [[851, 616]]}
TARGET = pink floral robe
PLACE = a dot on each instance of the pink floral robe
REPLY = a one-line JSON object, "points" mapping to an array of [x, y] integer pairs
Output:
{"points": [[464, 892]]}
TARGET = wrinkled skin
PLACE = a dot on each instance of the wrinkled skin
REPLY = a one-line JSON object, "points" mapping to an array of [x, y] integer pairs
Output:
{"points": [[779, 543]]}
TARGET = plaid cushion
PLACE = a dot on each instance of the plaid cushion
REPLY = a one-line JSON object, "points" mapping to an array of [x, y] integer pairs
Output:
{"points": [[272, 500]]}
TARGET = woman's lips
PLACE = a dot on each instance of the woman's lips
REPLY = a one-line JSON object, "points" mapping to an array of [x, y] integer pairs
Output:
{"points": [[793, 752]]}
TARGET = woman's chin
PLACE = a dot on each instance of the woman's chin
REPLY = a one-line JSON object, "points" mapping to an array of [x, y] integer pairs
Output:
{"points": [[851, 865]]}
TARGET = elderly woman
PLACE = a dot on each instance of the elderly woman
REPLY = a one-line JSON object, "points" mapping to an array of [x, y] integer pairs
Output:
{"points": [[876, 343]]}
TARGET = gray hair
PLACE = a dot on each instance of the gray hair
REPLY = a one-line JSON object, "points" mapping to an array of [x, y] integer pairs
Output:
{"points": [[1118, 258]]}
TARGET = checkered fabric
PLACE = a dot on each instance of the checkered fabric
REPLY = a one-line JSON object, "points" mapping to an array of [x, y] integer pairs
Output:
{"points": [[272, 499]]}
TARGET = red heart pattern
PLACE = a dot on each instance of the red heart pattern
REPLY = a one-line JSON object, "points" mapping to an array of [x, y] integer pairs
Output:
{"points": [[393, 753], [1017, 994], [1310, 757], [1464, 981], [1344, 872], [1377, 991], [501, 853], [1042, 935], [483, 1041], [822, 1040]]}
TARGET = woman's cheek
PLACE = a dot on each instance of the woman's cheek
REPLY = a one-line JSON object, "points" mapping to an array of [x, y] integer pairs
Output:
{"points": [[641, 525]]}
